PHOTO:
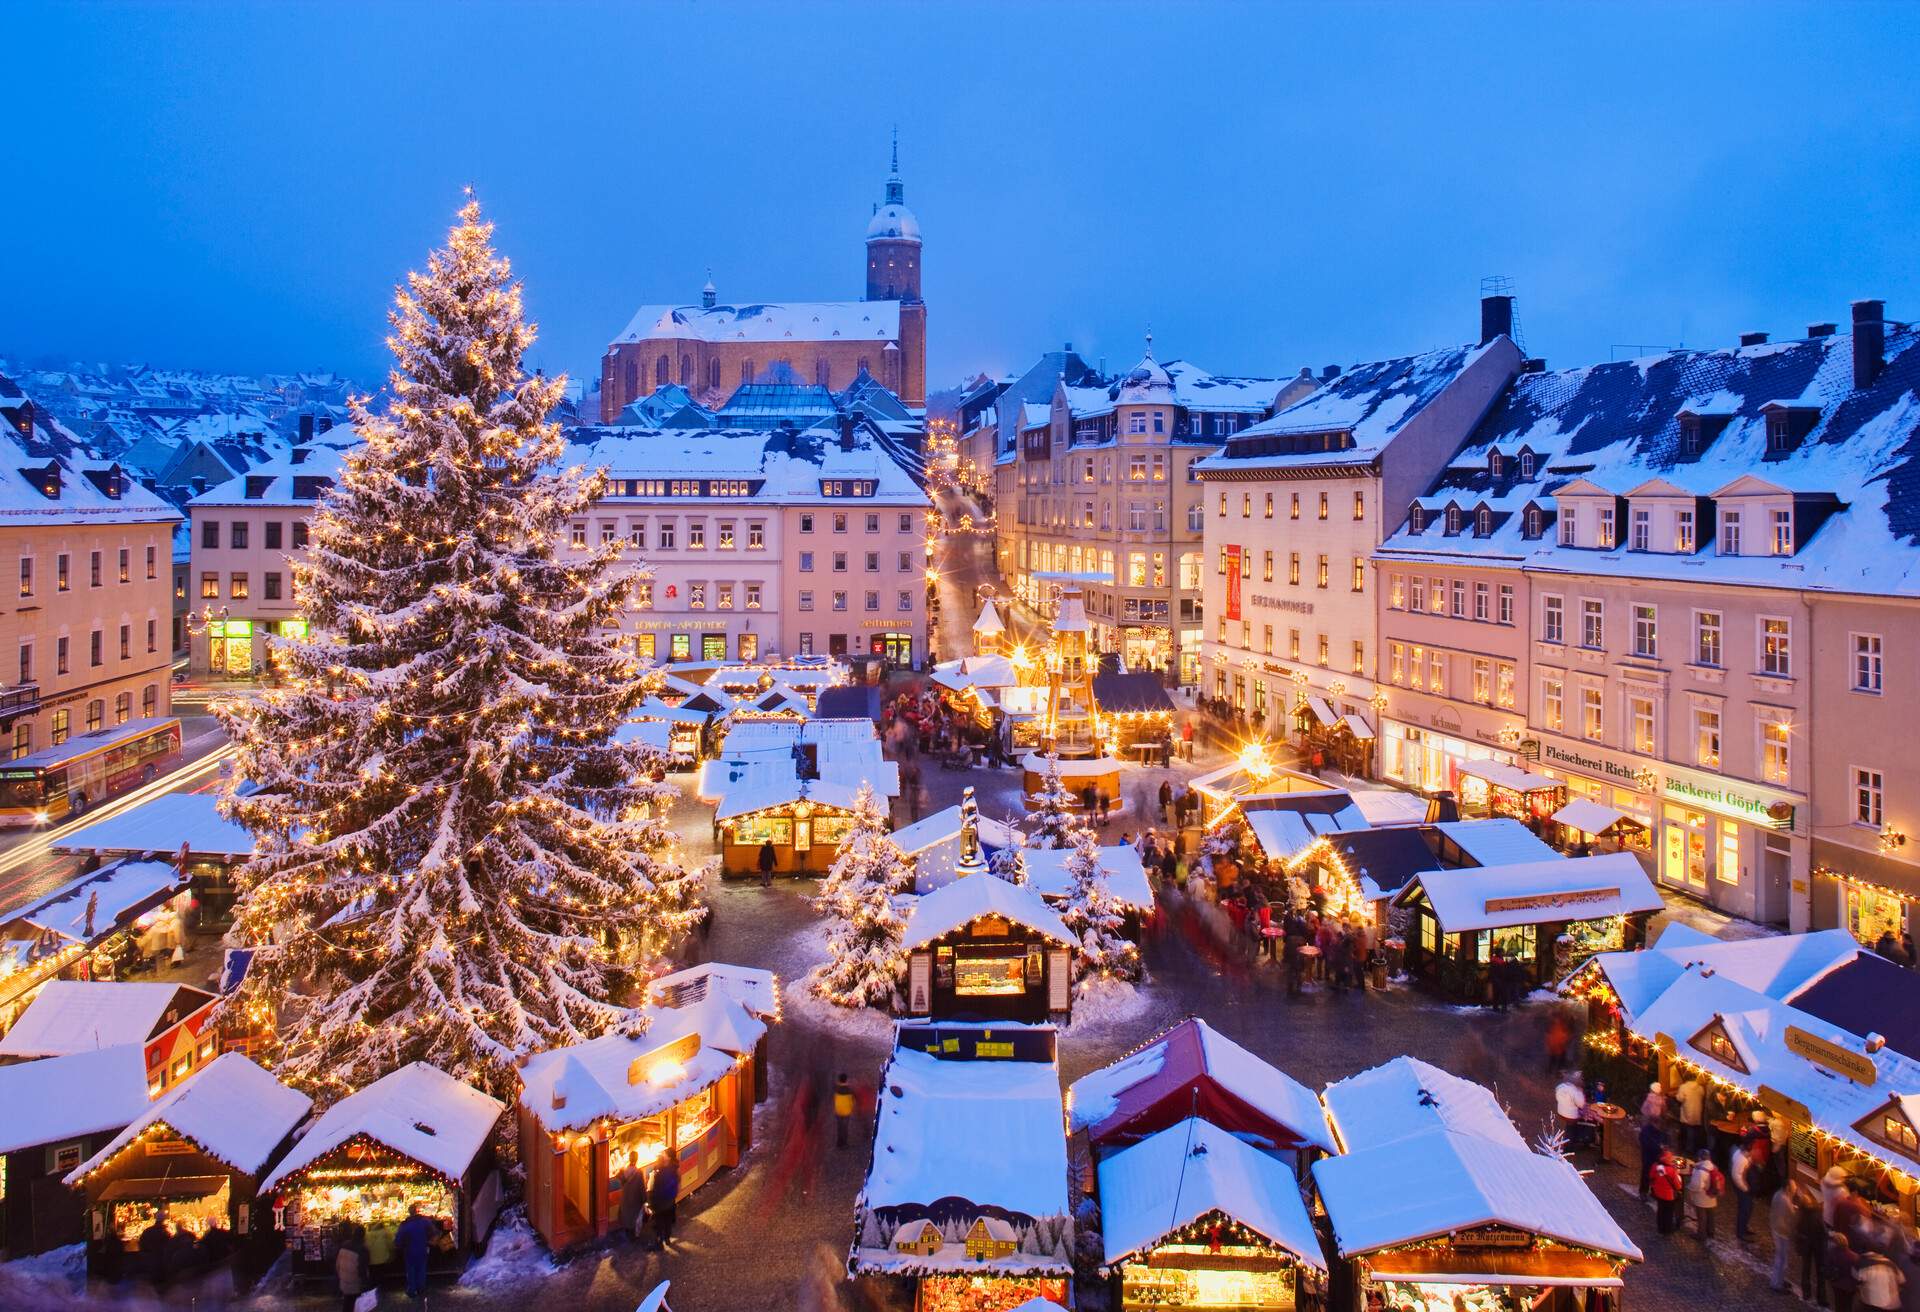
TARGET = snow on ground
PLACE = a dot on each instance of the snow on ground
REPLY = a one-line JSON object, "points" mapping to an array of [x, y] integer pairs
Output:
{"points": [[803, 1004], [515, 1255], [53, 1279], [1100, 1004]]}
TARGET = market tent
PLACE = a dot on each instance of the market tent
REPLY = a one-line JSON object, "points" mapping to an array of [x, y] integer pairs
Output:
{"points": [[1498, 841], [753, 988], [1589, 817], [72, 1015], [1193, 1069], [118, 893], [1126, 874], [231, 1108], [972, 897], [62, 1098], [418, 1111], [164, 825], [1383, 860], [1205, 1169], [1511, 777], [1407, 1096], [1443, 1181], [1536, 892], [571, 1088], [1322, 711]]}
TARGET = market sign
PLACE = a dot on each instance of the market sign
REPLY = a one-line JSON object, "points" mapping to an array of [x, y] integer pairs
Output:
{"points": [[1856, 1066], [1791, 1108], [1186, 1260], [1491, 1236], [1552, 901], [1718, 795]]}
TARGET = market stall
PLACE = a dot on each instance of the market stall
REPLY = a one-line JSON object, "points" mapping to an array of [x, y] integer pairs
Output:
{"points": [[1099, 773], [414, 1137], [1126, 876], [983, 949], [805, 820], [1587, 826], [192, 1161], [59, 1112], [598, 1118], [1489, 788], [1479, 1221], [184, 829], [966, 1198], [171, 1023], [1193, 1217], [1541, 915], [89, 928]]}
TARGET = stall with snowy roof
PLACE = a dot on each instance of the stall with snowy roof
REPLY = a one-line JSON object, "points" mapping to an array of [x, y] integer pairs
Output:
{"points": [[596, 1119], [414, 1137], [933, 845], [85, 929], [1101, 774], [1194, 1070], [966, 1196], [1535, 913], [758, 991], [185, 829], [981, 948], [1436, 1203], [194, 1159], [1126, 874], [1490, 788], [1194, 1217], [59, 1112], [172, 1023], [791, 784]]}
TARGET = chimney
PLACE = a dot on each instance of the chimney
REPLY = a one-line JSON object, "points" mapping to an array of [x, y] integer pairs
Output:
{"points": [[1753, 339], [306, 428], [1068, 348], [1496, 318], [1869, 341], [1822, 329], [1329, 372], [846, 432]]}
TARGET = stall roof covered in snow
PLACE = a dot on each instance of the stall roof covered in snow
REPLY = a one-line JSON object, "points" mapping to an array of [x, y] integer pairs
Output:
{"points": [[1443, 1181], [719, 1019], [989, 1132], [231, 1108], [1286, 825], [788, 322], [70, 1097], [1193, 1067], [162, 825], [1534, 892], [1384, 859], [1191, 1170], [418, 1111], [1497, 841], [616, 1077], [1407, 1096], [1126, 874], [954, 906], [72, 1015], [944, 825], [1775, 965], [119, 892], [753, 988]]}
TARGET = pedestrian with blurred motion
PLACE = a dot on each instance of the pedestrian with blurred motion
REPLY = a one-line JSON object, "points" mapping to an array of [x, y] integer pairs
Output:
{"points": [[1653, 1143], [1692, 1097], [842, 1109], [663, 1201], [1810, 1244], [350, 1266], [1559, 1037], [1783, 1222], [1705, 1184], [1842, 1266], [1880, 1282], [1740, 1172], [768, 860], [1666, 1185]]}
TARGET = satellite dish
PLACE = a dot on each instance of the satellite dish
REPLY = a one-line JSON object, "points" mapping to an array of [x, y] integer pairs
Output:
{"points": [[656, 1299]]}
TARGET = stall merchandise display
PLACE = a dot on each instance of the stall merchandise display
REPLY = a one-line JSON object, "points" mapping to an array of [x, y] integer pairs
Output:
{"points": [[368, 1201], [194, 1215], [1590, 936], [987, 1293], [1144, 1286], [1412, 1296]]}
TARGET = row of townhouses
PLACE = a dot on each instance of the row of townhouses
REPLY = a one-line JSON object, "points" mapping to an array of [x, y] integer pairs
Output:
{"points": [[1685, 585]]}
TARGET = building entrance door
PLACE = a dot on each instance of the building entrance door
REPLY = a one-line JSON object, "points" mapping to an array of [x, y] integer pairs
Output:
{"points": [[1686, 856]]}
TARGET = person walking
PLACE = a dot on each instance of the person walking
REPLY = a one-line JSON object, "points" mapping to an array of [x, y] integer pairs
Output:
{"points": [[1559, 1038], [1497, 980], [663, 1200], [1740, 1173], [1705, 1184], [1842, 1269], [1880, 1282], [1653, 1143], [842, 1109], [414, 1239], [1783, 1222], [350, 1267], [1653, 1107], [768, 860], [1296, 939], [1692, 1097], [1166, 799], [1809, 1245], [1664, 1182]]}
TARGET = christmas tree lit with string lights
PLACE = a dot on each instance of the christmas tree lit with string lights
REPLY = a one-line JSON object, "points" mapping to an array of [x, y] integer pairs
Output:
{"points": [[456, 860]]}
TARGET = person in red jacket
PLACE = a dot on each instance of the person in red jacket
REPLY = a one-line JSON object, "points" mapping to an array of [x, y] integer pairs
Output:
{"points": [[1665, 1184]]}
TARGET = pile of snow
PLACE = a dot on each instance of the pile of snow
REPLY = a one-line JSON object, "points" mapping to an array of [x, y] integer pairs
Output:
{"points": [[514, 1257]]}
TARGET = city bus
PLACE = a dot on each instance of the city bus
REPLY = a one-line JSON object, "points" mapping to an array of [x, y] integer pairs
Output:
{"points": [[55, 782]]}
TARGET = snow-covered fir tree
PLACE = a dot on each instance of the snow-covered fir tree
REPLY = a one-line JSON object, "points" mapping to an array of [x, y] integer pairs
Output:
{"points": [[1010, 862], [864, 965], [1093, 915], [1053, 808], [456, 862]]}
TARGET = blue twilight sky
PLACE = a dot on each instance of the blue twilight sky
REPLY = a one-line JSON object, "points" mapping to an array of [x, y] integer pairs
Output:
{"points": [[233, 186]]}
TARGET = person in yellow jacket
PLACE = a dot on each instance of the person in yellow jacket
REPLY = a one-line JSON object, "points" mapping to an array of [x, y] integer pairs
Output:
{"points": [[842, 1109]]}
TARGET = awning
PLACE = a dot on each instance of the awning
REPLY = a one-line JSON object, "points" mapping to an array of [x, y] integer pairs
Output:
{"points": [[175, 1186], [1510, 777], [1467, 1266], [1322, 711], [1589, 817], [1357, 725]]}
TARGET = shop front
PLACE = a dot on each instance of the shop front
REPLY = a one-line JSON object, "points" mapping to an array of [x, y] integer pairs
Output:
{"points": [[1868, 894], [805, 823], [1426, 744]]}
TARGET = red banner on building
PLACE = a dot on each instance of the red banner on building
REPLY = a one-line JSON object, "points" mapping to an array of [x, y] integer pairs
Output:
{"points": [[1233, 583]]}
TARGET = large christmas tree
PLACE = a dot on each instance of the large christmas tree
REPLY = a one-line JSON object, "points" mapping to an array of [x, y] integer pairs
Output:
{"points": [[456, 862], [864, 965]]}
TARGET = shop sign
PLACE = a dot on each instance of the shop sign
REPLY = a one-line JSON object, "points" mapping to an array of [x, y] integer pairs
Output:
{"points": [[1446, 720], [1182, 1261], [1281, 603], [1530, 749], [1552, 901], [991, 927], [1718, 795], [1856, 1066], [1791, 1108], [1619, 772], [1490, 1237], [1233, 582]]}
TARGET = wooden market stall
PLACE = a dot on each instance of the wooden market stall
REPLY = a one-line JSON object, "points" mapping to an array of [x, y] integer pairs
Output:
{"points": [[1586, 826], [192, 1160], [1137, 712], [596, 1119], [59, 1112], [981, 948], [804, 819], [1536, 913], [1489, 788], [1100, 773], [414, 1137], [1193, 1217], [185, 829], [171, 1023], [1480, 1222], [966, 1201]]}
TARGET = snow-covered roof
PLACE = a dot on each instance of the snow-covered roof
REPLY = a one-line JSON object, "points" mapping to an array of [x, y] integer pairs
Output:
{"points": [[793, 321], [721, 1021], [1197, 389], [617, 1078], [1497, 841], [955, 906], [989, 620], [1534, 892], [162, 825], [418, 1111], [118, 892], [1091, 767], [1384, 806], [768, 735], [64, 1098], [1407, 1096], [982, 672], [657, 734], [1284, 831], [1126, 874], [1185, 1172], [943, 826], [989, 1132], [1776, 965], [773, 788], [296, 479], [1442, 1181], [780, 466], [71, 1015], [1589, 816], [77, 498], [231, 1108], [753, 988]]}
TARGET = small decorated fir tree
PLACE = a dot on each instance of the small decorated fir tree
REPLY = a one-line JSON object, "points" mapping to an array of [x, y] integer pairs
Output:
{"points": [[1010, 862], [456, 861], [865, 965], [1053, 808], [1093, 916]]}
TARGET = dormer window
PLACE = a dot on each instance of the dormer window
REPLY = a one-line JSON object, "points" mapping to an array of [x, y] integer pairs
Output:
{"points": [[1495, 464], [1729, 532], [1526, 464], [1453, 520], [1642, 530], [1690, 435], [1416, 518], [1783, 532], [1683, 532], [1569, 525], [1779, 434], [1530, 522], [1787, 423], [1483, 522], [1605, 541]]}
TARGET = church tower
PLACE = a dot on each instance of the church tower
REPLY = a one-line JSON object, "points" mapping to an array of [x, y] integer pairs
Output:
{"points": [[893, 274]]}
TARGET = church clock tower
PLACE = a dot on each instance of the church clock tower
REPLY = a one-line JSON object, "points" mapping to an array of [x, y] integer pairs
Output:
{"points": [[893, 274]]}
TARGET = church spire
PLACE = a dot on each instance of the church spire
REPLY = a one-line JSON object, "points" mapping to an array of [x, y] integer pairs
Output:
{"points": [[896, 189]]}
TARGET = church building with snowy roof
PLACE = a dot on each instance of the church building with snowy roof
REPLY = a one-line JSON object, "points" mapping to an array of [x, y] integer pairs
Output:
{"points": [[712, 348]]}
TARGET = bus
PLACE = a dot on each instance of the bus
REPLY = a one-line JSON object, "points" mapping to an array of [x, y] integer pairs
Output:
{"points": [[55, 782]]}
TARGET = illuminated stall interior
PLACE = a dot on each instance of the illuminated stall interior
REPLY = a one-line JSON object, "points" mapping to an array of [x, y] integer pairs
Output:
{"points": [[1489, 788], [981, 948], [87, 929], [415, 1136]]}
